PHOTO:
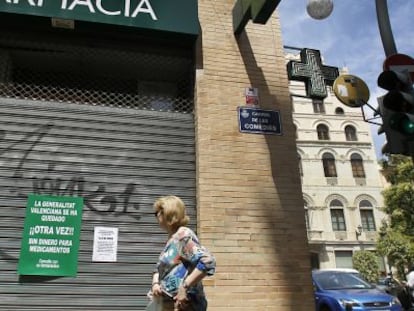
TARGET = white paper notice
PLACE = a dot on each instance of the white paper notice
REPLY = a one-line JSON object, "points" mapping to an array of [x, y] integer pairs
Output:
{"points": [[105, 244]]}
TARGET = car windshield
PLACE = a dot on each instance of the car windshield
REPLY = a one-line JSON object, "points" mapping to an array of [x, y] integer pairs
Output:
{"points": [[340, 280]]}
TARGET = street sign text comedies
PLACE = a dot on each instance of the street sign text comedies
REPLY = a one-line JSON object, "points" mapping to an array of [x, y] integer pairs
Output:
{"points": [[51, 235], [259, 121]]}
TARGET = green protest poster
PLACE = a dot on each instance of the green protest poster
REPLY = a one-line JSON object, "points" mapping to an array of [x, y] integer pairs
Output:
{"points": [[51, 234]]}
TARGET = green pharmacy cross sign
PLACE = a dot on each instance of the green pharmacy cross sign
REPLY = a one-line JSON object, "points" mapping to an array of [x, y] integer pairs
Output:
{"points": [[311, 71], [51, 235]]}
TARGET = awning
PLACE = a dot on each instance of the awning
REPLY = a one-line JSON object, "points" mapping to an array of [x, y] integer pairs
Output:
{"points": [[178, 16]]}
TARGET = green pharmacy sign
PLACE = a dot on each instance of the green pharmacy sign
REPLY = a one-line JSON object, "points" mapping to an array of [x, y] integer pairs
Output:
{"points": [[313, 73], [51, 236], [180, 16]]}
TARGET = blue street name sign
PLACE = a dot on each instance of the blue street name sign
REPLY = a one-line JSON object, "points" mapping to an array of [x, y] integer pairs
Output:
{"points": [[259, 121]]}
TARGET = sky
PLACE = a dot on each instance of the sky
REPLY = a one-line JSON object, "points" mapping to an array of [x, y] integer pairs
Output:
{"points": [[350, 38]]}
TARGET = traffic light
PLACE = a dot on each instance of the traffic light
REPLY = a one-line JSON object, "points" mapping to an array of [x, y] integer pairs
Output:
{"points": [[395, 140], [397, 112]]}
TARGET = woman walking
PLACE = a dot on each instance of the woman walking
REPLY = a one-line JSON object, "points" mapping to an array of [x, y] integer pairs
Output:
{"points": [[183, 263]]}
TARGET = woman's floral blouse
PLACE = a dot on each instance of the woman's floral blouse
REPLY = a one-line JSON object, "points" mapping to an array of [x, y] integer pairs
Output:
{"points": [[183, 252]]}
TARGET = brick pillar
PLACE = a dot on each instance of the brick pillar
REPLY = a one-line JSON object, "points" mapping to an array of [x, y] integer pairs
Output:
{"points": [[250, 206]]}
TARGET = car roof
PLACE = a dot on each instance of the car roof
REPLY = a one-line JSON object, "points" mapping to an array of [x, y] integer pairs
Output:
{"points": [[346, 270]]}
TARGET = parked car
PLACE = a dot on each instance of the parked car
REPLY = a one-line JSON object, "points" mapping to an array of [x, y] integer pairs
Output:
{"points": [[344, 291]]}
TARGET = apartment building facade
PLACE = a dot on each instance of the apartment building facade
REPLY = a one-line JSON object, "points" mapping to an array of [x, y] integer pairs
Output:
{"points": [[341, 182]]}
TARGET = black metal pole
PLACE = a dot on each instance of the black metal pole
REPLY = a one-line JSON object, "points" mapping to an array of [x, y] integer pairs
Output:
{"points": [[385, 27]]}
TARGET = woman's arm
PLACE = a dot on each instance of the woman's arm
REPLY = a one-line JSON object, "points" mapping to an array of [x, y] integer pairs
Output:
{"points": [[193, 278], [203, 261], [192, 251], [155, 278], [156, 287]]}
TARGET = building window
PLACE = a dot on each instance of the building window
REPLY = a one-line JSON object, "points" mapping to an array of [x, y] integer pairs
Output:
{"points": [[323, 132], [339, 110], [318, 106], [338, 220], [365, 203], [305, 205], [307, 219], [337, 216], [343, 259], [367, 220], [300, 165], [329, 167], [357, 166], [367, 216], [315, 261], [350, 133]]}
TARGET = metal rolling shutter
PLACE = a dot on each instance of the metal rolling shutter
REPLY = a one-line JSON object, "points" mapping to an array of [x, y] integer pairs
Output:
{"points": [[119, 160]]}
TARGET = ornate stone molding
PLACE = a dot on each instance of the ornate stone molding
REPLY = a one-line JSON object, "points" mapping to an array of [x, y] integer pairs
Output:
{"points": [[367, 197], [336, 197], [317, 208]]}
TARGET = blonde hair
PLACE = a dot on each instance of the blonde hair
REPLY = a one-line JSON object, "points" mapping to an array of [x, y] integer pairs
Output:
{"points": [[173, 209]]}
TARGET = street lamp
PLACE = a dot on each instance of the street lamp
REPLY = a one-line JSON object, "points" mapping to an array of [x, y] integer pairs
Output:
{"points": [[358, 230], [319, 9], [384, 26]]}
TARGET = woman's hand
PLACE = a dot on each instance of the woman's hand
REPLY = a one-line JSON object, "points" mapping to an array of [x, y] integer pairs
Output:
{"points": [[181, 299], [156, 289]]}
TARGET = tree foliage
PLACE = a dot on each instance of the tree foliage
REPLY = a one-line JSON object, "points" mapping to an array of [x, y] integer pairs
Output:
{"points": [[397, 247], [366, 262], [396, 239]]}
